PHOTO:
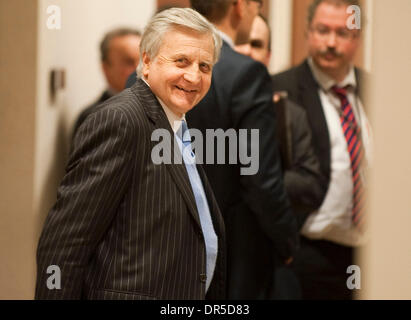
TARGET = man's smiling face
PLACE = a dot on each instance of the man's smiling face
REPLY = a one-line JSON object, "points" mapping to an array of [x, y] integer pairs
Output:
{"points": [[180, 74]]}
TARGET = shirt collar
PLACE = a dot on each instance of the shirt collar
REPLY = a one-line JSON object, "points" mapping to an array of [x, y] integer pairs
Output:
{"points": [[326, 83], [226, 38], [173, 119]]}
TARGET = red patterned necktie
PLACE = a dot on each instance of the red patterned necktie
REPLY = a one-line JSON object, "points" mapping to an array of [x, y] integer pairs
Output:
{"points": [[356, 151]]}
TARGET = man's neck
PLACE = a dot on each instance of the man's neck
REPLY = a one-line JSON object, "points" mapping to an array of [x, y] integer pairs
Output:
{"points": [[326, 81], [225, 26], [337, 75]]}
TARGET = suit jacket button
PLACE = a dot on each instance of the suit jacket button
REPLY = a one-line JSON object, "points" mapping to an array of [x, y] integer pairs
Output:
{"points": [[203, 278]]}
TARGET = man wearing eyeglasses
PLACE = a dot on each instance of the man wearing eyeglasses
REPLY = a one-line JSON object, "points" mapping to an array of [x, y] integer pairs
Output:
{"points": [[328, 86]]}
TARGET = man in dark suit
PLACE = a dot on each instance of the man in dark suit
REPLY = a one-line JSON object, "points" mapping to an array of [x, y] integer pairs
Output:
{"points": [[304, 182], [124, 226], [303, 179], [328, 86], [119, 52], [261, 229]]}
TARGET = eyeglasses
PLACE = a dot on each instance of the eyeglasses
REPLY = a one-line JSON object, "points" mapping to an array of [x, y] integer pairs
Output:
{"points": [[343, 34]]}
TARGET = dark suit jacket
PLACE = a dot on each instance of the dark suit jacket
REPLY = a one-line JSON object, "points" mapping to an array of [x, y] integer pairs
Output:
{"points": [[89, 110], [256, 209], [305, 183], [123, 227], [302, 88]]}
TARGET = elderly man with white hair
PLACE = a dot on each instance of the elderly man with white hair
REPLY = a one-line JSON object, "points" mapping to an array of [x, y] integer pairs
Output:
{"points": [[123, 226]]}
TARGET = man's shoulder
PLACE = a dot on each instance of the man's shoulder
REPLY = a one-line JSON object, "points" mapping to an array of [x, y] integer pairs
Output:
{"points": [[87, 111], [125, 103], [292, 75], [362, 75], [233, 65], [132, 79]]}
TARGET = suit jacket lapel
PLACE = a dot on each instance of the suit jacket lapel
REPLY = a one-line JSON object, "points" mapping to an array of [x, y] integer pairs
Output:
{"points": [[178, 171], [212, 202], [315, 113]]}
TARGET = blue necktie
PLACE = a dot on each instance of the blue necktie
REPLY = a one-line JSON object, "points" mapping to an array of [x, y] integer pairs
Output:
{"points": [[209, 234]]}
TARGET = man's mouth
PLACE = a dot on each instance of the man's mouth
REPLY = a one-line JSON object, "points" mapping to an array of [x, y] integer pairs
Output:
{"points": [[186, 90], [329, 56]]}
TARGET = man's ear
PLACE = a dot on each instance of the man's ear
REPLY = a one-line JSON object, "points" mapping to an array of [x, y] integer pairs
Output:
{"points": [[146, 64], [267, 59], [105, 67]]}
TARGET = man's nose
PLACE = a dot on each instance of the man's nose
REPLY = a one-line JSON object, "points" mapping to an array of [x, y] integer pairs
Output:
{"points": [[192, 74], [332, 40]]}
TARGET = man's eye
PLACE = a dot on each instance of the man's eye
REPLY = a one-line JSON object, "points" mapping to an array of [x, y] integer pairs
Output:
{"points": [[343, 33], [323, 30], [181, 60], [256, 44], [205, 67], [130, 62]]}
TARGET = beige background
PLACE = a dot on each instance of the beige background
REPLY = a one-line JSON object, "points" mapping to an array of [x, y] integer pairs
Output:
{"points": [[18, 54], [388, 257], [34, 132]]}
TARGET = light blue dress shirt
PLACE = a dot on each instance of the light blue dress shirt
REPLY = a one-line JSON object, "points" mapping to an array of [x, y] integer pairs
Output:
{"points": [[209, 234]]}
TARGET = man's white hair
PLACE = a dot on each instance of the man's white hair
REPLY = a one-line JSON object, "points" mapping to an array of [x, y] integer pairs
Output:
{"points": [[162, 22]]}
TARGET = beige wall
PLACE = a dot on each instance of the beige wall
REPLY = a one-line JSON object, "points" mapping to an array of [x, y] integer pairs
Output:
{"points": [[74, 48], [34, 132], [280, 19], [388, 257], [18, 36]]}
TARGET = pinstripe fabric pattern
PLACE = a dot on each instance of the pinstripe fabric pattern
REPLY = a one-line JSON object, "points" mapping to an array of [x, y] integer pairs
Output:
{"points": [[122, 227]]}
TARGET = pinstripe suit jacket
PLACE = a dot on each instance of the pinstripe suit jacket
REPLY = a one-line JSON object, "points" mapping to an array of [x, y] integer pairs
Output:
{"points": [[123, 227]]}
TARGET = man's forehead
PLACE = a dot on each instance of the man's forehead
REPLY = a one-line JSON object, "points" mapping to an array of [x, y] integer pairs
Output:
{"points": [[259, 30], [331, 14], [180, 42]]}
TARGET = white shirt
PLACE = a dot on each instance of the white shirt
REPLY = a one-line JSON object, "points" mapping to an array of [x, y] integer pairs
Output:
{"points": [[332, 221]]}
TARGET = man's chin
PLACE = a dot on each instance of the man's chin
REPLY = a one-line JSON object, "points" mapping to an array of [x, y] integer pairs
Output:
{"points": [[183, 108], [328, 64]]}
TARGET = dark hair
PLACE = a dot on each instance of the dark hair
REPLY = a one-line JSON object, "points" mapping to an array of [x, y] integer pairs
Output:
{"points": [[169, 6], [120, 32], [213, 10], [314, 5]]}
